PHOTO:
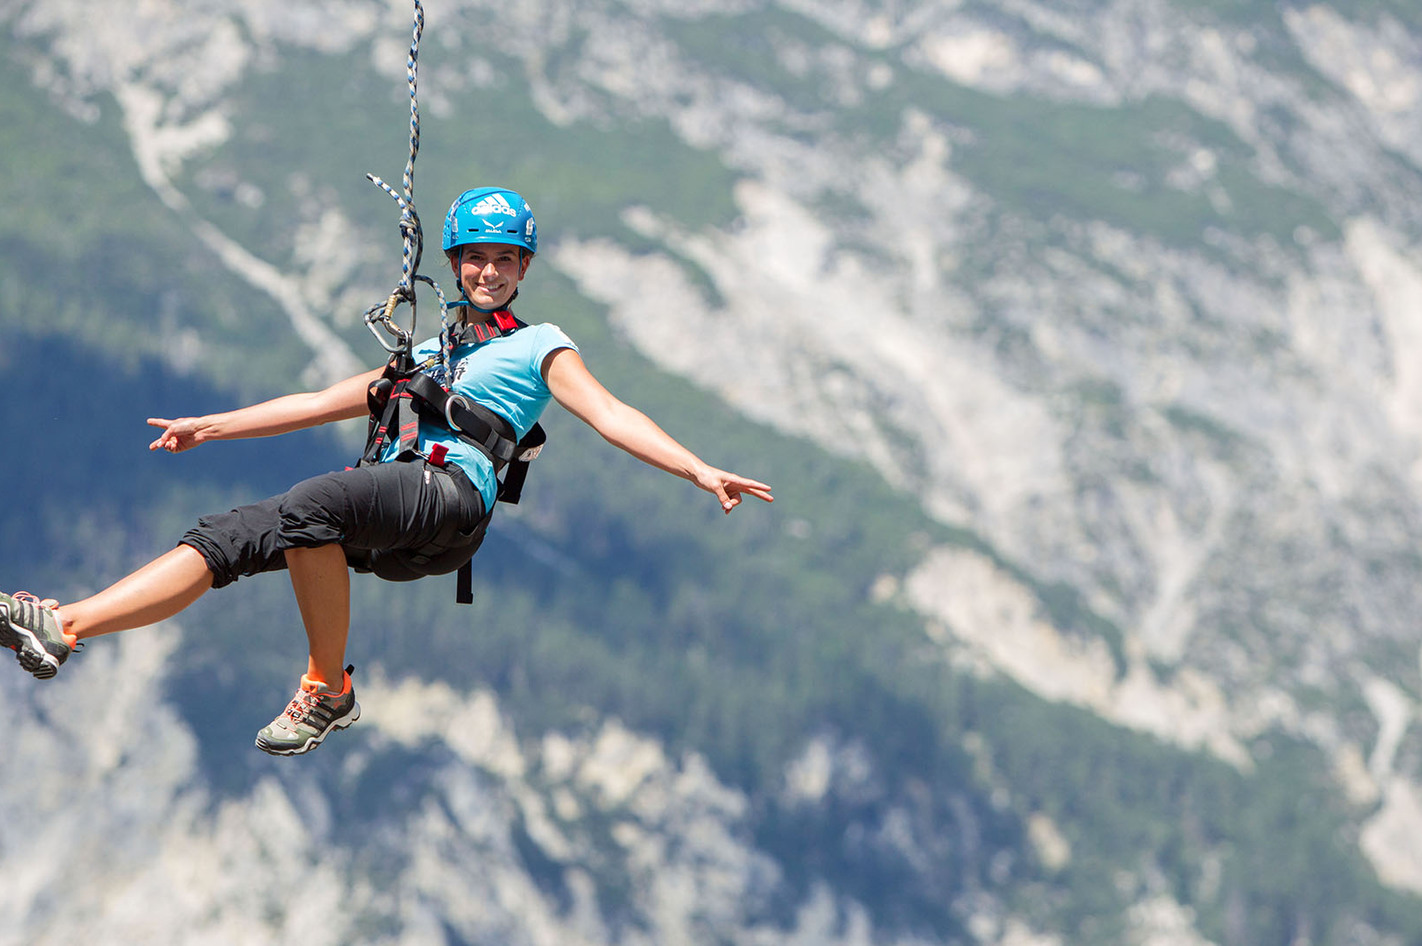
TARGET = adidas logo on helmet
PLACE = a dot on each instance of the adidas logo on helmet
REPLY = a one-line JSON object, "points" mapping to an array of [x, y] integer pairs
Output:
{"points": [[493, 205]]}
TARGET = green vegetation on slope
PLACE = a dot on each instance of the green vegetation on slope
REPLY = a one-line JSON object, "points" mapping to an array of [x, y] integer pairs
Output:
{"points": [[91, 253], [578, 178], [1033, 156]]}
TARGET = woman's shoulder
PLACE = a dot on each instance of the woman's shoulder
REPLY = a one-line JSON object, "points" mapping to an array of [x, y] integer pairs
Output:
{"points": [[542, 326], [544, 334]]}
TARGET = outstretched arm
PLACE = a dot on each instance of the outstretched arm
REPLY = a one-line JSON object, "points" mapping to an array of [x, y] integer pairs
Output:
{"points": [[621, 425], [341, 401]]}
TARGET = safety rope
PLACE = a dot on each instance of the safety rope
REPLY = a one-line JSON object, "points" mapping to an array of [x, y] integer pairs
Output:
{"points": [[380, 317]]}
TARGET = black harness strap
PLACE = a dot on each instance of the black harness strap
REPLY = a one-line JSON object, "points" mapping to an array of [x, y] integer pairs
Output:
{"points": [[464, 584], [511, 489], [472, 422]]}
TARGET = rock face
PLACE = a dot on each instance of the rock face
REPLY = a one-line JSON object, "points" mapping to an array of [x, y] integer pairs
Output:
{"points": [[1130, 292], [1184, 429]]}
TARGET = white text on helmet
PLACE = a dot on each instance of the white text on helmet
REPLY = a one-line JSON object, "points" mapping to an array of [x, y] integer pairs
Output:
{"points": [[493, 205]]}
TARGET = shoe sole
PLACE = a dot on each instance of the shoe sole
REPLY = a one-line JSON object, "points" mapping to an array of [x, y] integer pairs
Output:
{"points": [[314, 741], [28, 648]]}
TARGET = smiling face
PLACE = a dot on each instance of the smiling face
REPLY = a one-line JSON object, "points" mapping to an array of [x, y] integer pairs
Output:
{"points": [[489, 272]]}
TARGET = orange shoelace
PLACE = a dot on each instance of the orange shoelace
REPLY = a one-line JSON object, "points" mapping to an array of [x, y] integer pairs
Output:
{"points": [[301, 706]]}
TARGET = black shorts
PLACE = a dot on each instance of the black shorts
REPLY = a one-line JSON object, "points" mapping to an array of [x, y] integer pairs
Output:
{"points": [[400, 520]]}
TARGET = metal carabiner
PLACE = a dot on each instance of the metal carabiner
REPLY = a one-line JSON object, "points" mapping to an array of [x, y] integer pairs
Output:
{"points": [[386, 320]]}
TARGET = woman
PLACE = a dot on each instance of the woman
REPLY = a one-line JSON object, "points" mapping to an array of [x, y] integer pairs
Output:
{"points": [[423, 498]]}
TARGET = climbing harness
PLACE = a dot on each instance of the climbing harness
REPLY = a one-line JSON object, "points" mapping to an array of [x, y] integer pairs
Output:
{"points": [[407, 395]]}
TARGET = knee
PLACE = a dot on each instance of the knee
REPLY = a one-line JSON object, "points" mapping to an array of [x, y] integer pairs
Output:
{"points": [[310, 515]]}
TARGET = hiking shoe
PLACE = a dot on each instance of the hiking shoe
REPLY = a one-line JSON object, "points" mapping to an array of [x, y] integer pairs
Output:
{"points": [[313, 712], [33, 632]]}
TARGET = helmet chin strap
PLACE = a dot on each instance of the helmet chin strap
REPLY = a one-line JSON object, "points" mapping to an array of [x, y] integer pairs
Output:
{"points": [[466, 302]]}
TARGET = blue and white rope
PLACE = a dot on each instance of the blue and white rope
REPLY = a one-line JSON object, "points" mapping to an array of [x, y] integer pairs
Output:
{"points": [[411, 233]]}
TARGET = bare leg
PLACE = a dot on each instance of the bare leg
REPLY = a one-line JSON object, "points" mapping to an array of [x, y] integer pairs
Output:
{"points": [[157, 591], [322, 584]]}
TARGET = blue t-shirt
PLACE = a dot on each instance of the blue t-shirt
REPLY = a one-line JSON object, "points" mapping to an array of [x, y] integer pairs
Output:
{"points": [[504, 374]]}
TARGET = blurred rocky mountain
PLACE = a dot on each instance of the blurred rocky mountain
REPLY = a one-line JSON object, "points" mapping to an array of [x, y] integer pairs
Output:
{"points": [[1123, 296]]}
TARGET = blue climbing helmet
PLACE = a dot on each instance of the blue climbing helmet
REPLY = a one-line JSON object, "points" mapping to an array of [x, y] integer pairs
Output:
{"points": [[490, 215]]}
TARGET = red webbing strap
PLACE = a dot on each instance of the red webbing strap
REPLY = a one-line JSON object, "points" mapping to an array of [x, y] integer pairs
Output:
{"points": [[378, 433], [503, 323], [408, 421]]}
